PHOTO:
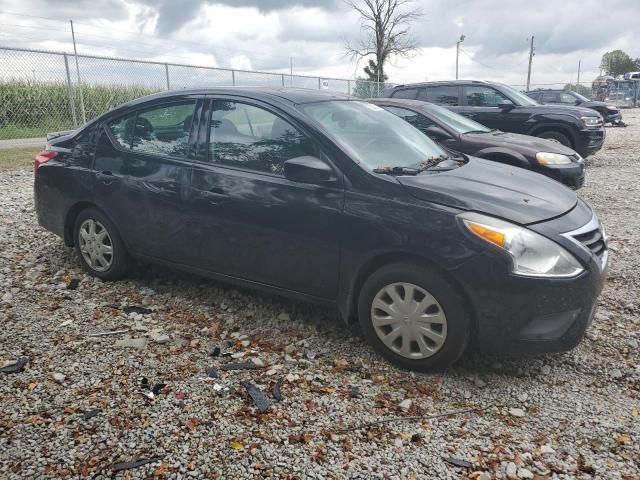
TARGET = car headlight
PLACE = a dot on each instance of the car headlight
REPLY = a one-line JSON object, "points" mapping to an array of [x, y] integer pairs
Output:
{"points": [[533, 255], [545, 158], [591, 121]]}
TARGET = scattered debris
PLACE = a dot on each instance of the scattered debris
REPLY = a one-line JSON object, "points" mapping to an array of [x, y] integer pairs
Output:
{"points": [[406, 404], [59, 377], [277, 392], [262, 402], [355, 392], [16, 367], [458, 462], [159, 337], [91, 413], [239, 366], [132, 343], [220, 389], [136, 309], [517, 412], [212, 372], [180, 400], [104, 334], [65, 323], [158, 387], [235, 445], [310, 354], [73, 284], [118, 467], [221, 351]]}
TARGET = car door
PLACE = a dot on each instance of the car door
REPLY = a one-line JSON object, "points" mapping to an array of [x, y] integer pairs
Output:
{"points": [[253, 223], [481, 104], [142, 175]]}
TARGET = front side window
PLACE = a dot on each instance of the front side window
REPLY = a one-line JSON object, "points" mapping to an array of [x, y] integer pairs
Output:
{"points": [[567, 99], [163, 130], [372, 136], [419, 121], [252, 138], [479, 96], [443, 95]]}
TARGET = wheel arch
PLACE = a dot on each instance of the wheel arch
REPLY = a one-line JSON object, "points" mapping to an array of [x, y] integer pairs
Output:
{"points": [[536, 131], [70, 220], [503, 156], [350, 308]]}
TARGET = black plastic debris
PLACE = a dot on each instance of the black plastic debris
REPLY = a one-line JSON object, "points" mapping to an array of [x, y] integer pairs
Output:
{"points": [[239, 366], [15, 367], [73, 284], [91, 413], [458, 462], [212, 373], [118, 467], [276, 392], [221, 350], [261, 402], [355, 392], [144, 384], [136, 309], [157, 388]]}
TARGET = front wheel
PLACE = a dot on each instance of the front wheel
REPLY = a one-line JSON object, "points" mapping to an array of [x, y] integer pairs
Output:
{"points": [[556, 137], [99, 246], [414, 317]]}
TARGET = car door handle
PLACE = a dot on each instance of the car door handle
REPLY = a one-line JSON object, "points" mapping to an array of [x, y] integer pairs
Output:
{"points": [[106, 177], [214, 196]]}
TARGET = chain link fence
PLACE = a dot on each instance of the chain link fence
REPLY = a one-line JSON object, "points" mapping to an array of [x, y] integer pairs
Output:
{"points": [[43, 91]]}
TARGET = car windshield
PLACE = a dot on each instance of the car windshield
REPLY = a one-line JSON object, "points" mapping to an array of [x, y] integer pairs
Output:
{"points": [[581, 97], [454, 120], [517, 97], [373, 136]]}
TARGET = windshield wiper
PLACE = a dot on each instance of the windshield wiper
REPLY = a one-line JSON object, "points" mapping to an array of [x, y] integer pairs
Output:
{"points": [[397, 170], [431, 162]]}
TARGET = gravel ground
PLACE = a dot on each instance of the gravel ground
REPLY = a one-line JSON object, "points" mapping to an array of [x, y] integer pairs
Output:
{"points": [[572, 415]]}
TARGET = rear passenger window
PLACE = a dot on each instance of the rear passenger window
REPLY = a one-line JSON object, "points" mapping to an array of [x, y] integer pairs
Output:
{"points": [[405, 93], [443, 95], [164, 130], [122, 130], [548, 97], [252, 138]]}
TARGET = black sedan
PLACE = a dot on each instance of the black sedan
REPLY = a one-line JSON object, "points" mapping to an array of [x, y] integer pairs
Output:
{"points": [[464, 135], [333, 200], [610, 113]]}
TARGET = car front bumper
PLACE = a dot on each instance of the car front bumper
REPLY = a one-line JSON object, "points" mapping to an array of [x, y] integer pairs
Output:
{"points": [[572, 175], [590, 141], [525, 315]]}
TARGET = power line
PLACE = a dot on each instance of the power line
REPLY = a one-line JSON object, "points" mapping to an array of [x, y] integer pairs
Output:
{"points": [[477, 61]]}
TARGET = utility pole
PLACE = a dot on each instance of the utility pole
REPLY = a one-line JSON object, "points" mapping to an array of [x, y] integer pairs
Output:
{"points": [[291, 72], [531, 54], [458, 53], [75, 54], [578, 81]]}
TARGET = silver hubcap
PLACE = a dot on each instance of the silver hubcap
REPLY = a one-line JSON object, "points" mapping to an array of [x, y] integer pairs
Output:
{"points": [[95, 245], [408, 320]]}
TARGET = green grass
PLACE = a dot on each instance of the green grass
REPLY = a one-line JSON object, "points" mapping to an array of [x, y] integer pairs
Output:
{"points": [[15, 158]]}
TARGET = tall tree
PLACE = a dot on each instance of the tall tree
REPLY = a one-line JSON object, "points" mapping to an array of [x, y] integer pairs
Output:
{"points": [[385, 24], [617, 62]]}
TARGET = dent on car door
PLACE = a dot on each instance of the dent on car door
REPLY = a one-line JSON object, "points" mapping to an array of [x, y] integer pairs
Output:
{"points": [[253, 222], [143, 171]]}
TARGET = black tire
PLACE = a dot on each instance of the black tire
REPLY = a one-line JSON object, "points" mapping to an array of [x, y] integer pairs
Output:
{"points": [[119, 258], [455, 310], [557, 136]]}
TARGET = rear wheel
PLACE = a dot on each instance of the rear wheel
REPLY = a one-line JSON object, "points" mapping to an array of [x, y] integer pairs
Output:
{"points": [[99, 245], [414, 317], [556, 137]]}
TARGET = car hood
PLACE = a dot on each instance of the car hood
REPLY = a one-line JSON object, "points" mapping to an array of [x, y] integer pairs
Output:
{"points": [[503, 191], [519, 142], [595, 104], [570, 109]]}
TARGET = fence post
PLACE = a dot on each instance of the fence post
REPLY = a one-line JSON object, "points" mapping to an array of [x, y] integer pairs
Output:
{"points": [[348, 87], [72, 102], [233, 78], [283, 79], [166, 71], [319, 83]]}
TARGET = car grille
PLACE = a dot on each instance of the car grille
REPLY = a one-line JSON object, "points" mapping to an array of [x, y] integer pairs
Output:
{"points": [[592, 238]]}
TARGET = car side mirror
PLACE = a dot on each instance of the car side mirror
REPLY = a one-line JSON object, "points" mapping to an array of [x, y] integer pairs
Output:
{"points": [[308, 169], [436, 133], [578, 102], [506, 105]]}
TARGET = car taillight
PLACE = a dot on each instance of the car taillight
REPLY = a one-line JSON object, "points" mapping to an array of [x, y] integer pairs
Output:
{"points": [[43, 157]]}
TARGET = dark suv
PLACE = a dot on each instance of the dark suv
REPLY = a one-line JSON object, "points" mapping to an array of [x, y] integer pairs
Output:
{"points": [[610, 113], [499, 106], [334, 200]]}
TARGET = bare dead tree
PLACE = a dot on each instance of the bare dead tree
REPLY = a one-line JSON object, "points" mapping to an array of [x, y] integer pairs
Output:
{"points": [[385, 24]]}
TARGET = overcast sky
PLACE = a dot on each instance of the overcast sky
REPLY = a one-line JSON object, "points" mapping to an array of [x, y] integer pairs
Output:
{"points": [[265, 34]]}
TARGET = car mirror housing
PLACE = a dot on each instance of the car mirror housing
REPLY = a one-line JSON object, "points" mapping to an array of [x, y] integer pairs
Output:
{"points": [[308, 169], [506, 105], [436, 133]]}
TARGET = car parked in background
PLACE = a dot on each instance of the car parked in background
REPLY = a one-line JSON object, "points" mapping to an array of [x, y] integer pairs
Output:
{"points": [[495, 105], [462, 134], [335, 200], [610, 113]]}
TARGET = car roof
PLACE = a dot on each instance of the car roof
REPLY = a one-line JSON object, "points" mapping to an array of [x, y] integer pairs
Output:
{"points": [[283, 94], [447, 82], [406, 102]]}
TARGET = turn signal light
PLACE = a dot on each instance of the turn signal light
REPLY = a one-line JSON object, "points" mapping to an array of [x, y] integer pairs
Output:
{"points": [[43, 157], [488, 234]]}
